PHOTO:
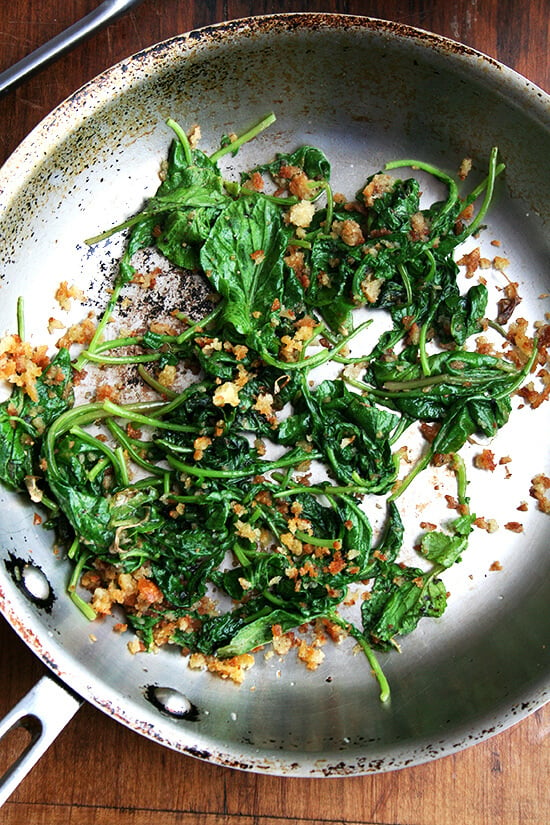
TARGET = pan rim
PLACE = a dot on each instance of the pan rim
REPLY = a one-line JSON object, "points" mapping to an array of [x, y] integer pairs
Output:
{"points": [[88, 99]]}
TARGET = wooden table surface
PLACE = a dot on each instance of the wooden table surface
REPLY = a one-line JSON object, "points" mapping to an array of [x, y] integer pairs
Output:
{"points": [[98, 772]]}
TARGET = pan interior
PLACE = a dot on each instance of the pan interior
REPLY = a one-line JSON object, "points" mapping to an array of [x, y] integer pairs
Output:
{"points": [[364, 92]]}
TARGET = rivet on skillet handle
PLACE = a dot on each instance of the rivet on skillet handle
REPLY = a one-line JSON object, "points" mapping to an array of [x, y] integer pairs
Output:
{"points": [[68, 39], [43, 712]]}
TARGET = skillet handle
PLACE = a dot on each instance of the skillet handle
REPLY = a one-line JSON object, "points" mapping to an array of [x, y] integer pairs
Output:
{"points": [[99, 17], [43, 712]]}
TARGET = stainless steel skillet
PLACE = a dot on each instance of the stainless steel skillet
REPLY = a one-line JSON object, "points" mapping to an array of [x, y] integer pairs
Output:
{"points": [[366, 91]]}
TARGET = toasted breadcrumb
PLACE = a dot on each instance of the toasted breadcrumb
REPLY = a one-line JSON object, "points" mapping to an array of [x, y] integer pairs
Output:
{"points": [[514, 526], [194, 136], [21, 363], [110, 587], [226, 393], [299, 185], [471, 261], [65, 293], [233, 669], [54, 324], [282, 642], [485, 460], [135, 646], [167, 376], [490, 525], [420, 227], [301, 213], [311, 655], [246, 531], [81, 333], [163, 328], [539, 491], [146, 280], [371, 287], [465, 168], [200, 444], [106, 391], [255, 182], [500, 263], [378, 186], [348, 231]]}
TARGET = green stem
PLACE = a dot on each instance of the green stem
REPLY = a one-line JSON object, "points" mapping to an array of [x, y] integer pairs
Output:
{"points": [[243, 191], [127, 414], [120, 359], [115, 294], [74, 548], [244, 138], [120, 227], [403, 423], [458, 465], [300, 242], [20, 318], [240, 555], [404, 483], [435, 172], [183, 139], [489, 185], [77, 417], [314, 360], [167, 408], [119, 466], [123, 467], [406, 283], [196, 326], [289, 459], [320, 490], [424, 362], [522, 374], [330, 206], [313, 540], [152, 382], [368, 651], [98, 468], [116, 343], [415, 387], [274, 599], [83, 606]]}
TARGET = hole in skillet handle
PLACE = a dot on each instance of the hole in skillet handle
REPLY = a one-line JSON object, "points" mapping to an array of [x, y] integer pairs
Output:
{"points": [[16, 743]]}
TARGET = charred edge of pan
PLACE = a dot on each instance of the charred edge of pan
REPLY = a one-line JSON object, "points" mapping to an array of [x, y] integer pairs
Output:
{"points": [[31, 639], [198, 753], [316, 21], [291, 22]]}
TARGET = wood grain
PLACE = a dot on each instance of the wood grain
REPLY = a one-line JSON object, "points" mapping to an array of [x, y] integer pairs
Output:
{"points": [[99, 773]]}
